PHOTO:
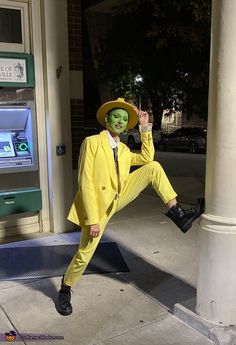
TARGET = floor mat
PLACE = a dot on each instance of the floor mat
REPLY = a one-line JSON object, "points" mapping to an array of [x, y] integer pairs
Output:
{"points": [[51, 261]]}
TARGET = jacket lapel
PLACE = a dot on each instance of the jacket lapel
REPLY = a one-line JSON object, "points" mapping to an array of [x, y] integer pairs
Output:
{"points": [[121, 154], [109, 156]]}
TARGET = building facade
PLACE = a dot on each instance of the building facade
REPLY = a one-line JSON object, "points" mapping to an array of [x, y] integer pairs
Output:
{"points": [[51, 33]]}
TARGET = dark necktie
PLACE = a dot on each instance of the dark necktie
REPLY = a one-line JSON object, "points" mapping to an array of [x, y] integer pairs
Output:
{"points": [[115, 152]]}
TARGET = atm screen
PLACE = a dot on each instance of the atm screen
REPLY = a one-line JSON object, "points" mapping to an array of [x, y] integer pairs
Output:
{"points": [[6, 146], [17, 139]]}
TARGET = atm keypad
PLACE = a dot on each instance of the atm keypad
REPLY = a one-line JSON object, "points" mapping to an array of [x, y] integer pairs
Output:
{"points": [[21, 145]]}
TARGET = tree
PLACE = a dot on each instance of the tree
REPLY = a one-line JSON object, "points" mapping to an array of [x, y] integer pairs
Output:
{"points": [[167, 43]]}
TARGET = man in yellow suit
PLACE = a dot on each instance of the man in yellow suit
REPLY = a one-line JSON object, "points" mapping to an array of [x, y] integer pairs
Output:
{"points": [[105, 185]]}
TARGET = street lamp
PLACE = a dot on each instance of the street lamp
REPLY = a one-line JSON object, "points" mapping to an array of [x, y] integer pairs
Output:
{"points": [[138, 81]]}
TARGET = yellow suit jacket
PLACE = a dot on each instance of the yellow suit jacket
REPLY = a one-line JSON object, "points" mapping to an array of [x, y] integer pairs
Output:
{"points": [[97, 178]]}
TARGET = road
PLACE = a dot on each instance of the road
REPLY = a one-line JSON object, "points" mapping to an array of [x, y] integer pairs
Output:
{"points": [[181, 164], [186, 172]]}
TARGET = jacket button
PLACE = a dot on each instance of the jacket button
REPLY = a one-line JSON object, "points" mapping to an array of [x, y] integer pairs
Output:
{"points": [[103, 188]]}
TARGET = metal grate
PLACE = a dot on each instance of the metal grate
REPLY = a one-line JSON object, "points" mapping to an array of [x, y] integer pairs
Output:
{"points": [[51, 261]]}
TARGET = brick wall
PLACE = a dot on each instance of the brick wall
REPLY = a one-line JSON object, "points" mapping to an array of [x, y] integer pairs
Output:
{"points": [[75, 35], [77, 125], [75, 64]]}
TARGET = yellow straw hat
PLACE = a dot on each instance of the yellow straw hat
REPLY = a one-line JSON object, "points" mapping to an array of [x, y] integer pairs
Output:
{"points": [[118, 103]]}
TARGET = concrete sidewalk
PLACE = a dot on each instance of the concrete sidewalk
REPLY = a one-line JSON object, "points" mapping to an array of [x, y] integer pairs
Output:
{"points": [[133, 308]]}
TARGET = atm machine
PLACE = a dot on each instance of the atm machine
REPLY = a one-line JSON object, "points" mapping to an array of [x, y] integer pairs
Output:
{"points": [[19, 175]]}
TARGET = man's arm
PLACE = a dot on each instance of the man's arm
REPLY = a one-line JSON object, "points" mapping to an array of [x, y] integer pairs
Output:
{"points": [[86, 184], [147, 149]]}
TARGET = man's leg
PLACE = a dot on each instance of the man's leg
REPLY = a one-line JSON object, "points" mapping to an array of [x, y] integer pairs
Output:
{"points": [[81, 259], [153, 173], [138, 180], [77, 266]]}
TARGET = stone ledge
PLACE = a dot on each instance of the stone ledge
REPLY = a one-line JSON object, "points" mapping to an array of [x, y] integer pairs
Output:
{"points": [[219, 335]]}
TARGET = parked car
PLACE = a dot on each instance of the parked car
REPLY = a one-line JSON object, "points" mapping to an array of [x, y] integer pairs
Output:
{"points": [[191, 139], [132, 137]]}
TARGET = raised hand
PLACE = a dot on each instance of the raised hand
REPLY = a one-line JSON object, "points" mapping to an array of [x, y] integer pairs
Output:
{"points": [[143, 116]]}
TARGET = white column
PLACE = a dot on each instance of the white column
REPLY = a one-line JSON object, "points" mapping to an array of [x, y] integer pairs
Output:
{"points": [[58, 119], [216, 289]]}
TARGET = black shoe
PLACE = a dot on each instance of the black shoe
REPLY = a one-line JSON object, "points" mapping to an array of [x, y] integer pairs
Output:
{"points": [[64, 306], [184, 218]]}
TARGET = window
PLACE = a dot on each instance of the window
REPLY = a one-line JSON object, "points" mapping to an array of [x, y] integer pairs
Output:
{"points": [[14, 26], [10, 25]]}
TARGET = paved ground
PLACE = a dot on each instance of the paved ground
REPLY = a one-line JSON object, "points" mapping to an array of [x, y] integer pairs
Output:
{"points": [[132, 308]]}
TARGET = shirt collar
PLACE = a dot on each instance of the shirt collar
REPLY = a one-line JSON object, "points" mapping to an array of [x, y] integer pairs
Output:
{"points": [[112, 142]]}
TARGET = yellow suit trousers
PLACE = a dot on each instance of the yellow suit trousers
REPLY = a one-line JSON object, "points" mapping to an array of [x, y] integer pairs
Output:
{"points": [[137, 181]]}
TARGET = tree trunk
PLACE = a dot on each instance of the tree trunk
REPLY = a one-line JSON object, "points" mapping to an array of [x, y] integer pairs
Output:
{"points": [[157, 112]]}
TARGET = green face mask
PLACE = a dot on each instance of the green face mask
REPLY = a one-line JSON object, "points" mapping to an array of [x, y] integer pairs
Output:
{"points": [[117, 121]]}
